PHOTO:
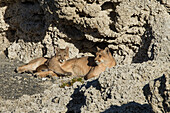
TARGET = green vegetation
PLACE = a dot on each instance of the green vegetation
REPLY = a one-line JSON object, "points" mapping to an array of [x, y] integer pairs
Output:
{"points": [[71, 82]]}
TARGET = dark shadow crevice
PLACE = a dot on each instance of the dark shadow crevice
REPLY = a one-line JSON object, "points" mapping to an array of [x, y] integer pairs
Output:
{"points": [[142, 54], [131, 107], [22, 18], [153, 97], [78, 97]]}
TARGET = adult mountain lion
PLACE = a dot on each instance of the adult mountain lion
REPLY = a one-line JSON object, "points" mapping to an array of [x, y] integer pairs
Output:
{"points": [[87, 67]]}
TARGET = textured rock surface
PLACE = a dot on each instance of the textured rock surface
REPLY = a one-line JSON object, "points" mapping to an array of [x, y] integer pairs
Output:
{"points": [[157, 93], [120, 89], [34, 28], [136, 31]]}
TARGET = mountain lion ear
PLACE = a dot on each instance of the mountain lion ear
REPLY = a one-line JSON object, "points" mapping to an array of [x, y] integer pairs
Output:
{"points": [[107, 50], [98, 49], [67, 48]]}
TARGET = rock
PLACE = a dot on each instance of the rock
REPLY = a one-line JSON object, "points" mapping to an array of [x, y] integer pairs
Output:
{"points": [[123, 86], [157, 93], [85, 25]]}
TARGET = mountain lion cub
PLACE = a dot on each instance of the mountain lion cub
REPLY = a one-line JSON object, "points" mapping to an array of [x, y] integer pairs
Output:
{"points": [[47, 65]]}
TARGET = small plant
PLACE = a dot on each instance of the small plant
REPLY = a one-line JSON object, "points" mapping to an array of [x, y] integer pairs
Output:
{"points": [[71, 82]]}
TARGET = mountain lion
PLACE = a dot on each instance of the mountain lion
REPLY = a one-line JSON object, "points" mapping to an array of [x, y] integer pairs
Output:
{"points": [[86, 67]]}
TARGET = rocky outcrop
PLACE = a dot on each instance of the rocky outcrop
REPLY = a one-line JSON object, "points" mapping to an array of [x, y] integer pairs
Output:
{"points": [[121, 88], [32, 28], [157, 93]]}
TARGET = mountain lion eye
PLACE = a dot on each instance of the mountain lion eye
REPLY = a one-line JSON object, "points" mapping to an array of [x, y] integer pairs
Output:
{"points": [[99, 55]]}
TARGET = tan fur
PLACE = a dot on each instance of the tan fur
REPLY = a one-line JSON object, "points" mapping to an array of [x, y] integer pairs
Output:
{"points": [[54, 65], [44, 66], [79, 66], [103, 59], [86, 66], [32, 65]]}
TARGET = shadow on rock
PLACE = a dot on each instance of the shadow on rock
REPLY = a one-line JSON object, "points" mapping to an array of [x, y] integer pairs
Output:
{"points": [[157, 94], [14, 85], [29, 21], [78, 97], [131, 107], [142, 54], [26, 20]]}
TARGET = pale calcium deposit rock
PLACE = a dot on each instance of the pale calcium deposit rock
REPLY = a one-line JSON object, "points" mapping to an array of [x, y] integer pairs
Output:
{"points": [[120, 89], [157, 93], [129, 28], [4, 42]]}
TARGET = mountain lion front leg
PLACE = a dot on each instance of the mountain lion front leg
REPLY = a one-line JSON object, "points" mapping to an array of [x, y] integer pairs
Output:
{"points": [[88, 76], [95, 71]]}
